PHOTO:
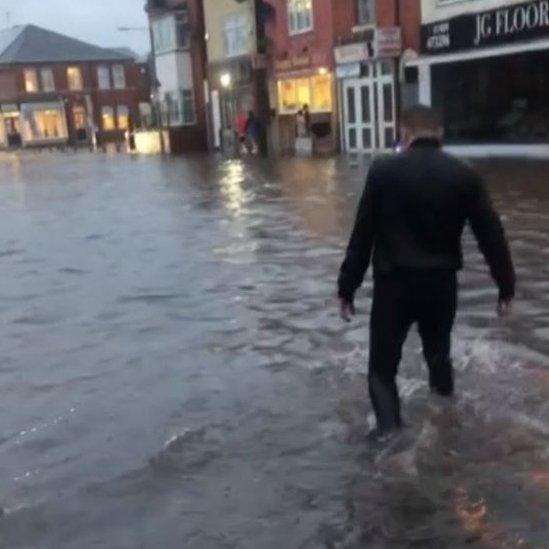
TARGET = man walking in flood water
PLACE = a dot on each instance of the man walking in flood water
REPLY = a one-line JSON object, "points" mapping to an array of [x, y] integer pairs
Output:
{"points": [[412, 214]]}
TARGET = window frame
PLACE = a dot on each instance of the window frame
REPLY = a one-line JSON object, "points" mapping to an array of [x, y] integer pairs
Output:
{"points": [[294, 11], [70, 82], [361, 5], [50, 79], [112, 116], [105, 70], [121, 75], [240, 30], [34, 72]]}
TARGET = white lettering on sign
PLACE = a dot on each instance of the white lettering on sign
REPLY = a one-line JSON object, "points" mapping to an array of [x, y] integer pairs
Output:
{"points": [[511, 20]]}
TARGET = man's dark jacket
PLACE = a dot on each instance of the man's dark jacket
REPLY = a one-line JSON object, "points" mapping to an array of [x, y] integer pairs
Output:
{"points": [[412, 213]]}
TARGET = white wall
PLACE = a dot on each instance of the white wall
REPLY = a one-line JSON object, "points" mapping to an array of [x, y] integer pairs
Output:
{"points": [[174, 71], [435, 10]]}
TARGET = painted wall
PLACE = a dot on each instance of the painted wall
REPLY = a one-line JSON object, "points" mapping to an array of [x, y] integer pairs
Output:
{"points": [[215, 13], [435, 10]]}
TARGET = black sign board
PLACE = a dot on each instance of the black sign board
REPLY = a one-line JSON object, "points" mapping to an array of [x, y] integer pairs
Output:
{"points": [[504, 25]]}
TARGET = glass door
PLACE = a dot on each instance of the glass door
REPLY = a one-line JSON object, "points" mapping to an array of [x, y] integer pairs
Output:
{"points": [[359, 114], [386, 112]]}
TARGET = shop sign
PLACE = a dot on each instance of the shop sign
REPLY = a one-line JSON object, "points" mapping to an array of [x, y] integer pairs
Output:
{"points": [[388, 42], [348, 70], [351, 53], [295, 62], [504, 25], [9, 108]]}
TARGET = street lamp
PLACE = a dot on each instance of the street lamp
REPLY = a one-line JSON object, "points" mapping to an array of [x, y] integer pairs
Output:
{"points": [[155, 96], [226, 80]]}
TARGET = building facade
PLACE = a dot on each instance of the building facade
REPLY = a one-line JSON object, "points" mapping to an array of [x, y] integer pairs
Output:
{"points": [[482, 66], [177, 33], [58, 91], [231, 38], [373, 86], [301, 36]]}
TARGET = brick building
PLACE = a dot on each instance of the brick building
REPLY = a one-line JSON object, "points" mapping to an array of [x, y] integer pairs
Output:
{"points": [[57, 91], [374, 40], [180, 65]]}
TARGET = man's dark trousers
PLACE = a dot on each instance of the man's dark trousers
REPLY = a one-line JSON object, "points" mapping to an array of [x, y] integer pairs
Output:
{"points": [[400, 300]]}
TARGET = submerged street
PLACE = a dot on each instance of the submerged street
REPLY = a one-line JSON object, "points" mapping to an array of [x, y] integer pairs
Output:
{"points": [[174, 372]]}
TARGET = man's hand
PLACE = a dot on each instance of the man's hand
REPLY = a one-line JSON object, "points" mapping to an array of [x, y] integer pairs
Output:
{"points": [[505, 307], [346, 310]]}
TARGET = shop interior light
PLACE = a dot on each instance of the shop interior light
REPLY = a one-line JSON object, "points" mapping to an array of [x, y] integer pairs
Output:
{"points": [[323, 71], [226, 80]]}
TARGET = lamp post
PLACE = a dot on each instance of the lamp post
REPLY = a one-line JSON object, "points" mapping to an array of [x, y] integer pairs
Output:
{"points": [[155, 95]]}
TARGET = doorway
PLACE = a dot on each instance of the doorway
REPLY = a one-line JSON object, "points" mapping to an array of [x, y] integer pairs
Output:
{"points": [[370, 110]]}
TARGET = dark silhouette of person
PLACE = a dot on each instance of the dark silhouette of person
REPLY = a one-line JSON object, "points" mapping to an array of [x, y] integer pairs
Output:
{"points": [[412, 214]]}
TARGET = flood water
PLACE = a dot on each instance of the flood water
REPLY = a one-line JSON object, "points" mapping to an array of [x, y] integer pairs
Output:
{"points": [[174, 374]]}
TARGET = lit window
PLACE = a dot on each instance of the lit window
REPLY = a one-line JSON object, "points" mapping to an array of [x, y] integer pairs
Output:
{"points": [[107, 117], [119, 77], [43, 122], [103, 78], [316, 92], [31, 81], [300, 16], [366, 12], [74, 77], [48, 82], [236, 34], [321, 86], [79, 117], [123, 113]]}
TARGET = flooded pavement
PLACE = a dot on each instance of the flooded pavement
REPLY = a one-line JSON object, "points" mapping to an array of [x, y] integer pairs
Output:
{"points": [[174, 374]]}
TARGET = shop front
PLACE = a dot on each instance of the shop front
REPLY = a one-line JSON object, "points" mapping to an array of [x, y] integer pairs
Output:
{"points": [[43, 124], [484, 72], [366, 76], [305, 106], [10, 126]]}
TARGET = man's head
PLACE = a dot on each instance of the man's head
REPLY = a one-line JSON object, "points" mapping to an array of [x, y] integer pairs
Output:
{"points": [[420, 123]]}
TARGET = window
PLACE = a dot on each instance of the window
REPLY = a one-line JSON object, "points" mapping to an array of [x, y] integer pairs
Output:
{"points": [[187, 101], [48, 83], [31, 81], [366, 12], [178, 108], [316, 91], [123, 113], [103, 78], [43, 122], [107, 118], [74, 77], [236, 34], [118, 77], [300, 16], [79, 117], [182, 30]]}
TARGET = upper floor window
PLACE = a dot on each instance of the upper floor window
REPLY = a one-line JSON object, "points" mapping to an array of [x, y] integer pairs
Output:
{"points": [[118, 77], [236, 34], [31, 81], [300, 16], [366, 12], [48, 82], [74, 78], [103, 77], [171, 32]]}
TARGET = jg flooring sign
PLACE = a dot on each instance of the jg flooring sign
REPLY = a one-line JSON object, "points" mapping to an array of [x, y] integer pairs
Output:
{"points": [[489, 28]]}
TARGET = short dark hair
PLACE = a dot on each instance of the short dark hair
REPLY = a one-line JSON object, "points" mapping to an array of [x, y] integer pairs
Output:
{"points": [[421, 119]]}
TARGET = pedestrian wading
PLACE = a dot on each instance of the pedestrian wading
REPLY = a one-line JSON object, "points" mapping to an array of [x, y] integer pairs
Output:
{"points": [[411, 215]]}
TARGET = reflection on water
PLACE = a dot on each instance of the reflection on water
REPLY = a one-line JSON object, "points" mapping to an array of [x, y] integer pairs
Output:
{"points": [[174, 373]]}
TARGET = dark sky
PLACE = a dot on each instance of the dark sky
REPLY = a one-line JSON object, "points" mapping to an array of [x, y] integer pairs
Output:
{"points": [[94, 21]]}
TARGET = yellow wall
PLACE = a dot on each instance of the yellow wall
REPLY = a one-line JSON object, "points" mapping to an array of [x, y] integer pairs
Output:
{"points": [[215, 12]]}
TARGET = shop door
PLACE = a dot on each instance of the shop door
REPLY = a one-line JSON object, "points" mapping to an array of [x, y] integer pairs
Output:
{"points": [[359, 111], [386, 111]]}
